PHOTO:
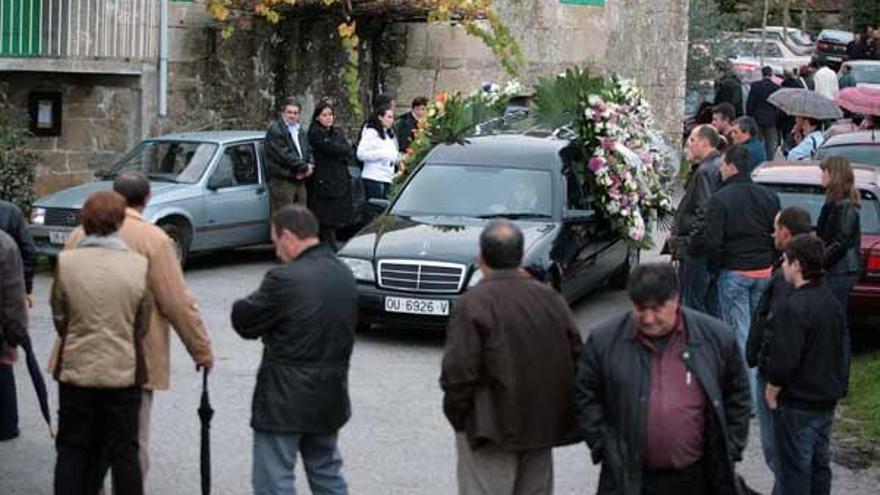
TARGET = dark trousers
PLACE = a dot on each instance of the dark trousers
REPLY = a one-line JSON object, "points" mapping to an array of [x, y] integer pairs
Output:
{"points": [[689, 480], [375, 189], [698, 287], [94, 424], [8, 404], [803, 440], [841, 284]]}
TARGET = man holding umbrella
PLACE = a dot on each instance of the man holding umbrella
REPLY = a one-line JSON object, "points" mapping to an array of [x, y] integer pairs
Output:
{"points": [[810, 109]]}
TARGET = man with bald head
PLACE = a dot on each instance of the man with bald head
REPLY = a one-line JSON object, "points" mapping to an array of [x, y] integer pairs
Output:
{"points": [[508, 373]]}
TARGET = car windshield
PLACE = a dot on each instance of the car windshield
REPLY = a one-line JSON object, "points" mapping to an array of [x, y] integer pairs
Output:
{"points": [[812, 198], [866, 154], [477, 191], [168, 161], [867, 74]]}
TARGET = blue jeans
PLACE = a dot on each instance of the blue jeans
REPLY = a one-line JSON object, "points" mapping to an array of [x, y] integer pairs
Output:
{"points": [[841, 284], [697, 287], [803, 439], [275, 458], [738, 296], [768, 435], [375, 189]]}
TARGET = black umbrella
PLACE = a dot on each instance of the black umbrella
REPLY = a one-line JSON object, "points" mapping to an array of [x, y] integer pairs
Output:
{"points": [[205, 415], [37, 380]]}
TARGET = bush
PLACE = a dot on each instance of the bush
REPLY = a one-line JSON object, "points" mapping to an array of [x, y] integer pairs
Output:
{"points": [[17, 163]]}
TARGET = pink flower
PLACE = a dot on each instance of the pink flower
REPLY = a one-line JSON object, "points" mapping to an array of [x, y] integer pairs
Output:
{"points": [[596, 163]]}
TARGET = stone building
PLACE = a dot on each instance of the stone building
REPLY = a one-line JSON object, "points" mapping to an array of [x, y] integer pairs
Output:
{"points": [[96, 60]]}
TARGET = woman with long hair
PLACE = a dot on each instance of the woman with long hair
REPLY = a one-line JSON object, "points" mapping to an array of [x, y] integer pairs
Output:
{"points": [[329, 187], [378, 150], [839, 227]]}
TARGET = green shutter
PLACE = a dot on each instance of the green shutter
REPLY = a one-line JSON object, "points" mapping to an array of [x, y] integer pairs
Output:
{"points": [[583, 2], [20, 27]]}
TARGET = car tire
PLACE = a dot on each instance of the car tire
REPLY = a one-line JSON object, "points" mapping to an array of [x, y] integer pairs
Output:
{"points": [[619, 280], [180, 239]]}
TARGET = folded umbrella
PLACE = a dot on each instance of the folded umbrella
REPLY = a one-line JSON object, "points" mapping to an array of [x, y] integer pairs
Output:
{"points": [[205, 415], [860, 100], [37, 379], [804, 103]]}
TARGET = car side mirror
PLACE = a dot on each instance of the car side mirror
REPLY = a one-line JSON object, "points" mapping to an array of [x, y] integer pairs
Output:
{"points": [[379, 203], [579, 216], [219, 182]]}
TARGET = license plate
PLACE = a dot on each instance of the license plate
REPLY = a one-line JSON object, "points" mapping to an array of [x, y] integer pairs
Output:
{"points": [[58, 237], [435, 307], [836, 59]]}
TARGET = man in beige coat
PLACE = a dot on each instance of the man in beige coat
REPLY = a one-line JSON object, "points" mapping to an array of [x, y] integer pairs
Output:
{"points": [[172, 300]]}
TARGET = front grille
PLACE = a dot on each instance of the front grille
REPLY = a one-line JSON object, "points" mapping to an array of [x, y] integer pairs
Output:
{"points": [[62, 217], [421, 276]]}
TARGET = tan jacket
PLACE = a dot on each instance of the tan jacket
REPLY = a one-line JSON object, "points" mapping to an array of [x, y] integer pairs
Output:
{"points": [[100, 307], [172, 300]]}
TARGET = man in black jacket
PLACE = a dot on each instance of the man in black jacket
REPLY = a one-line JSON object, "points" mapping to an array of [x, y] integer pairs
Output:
{"points": [[662, 395], [690, 221], [305, 312], [728, 88], [764, 113], [739, 243], [407, 124], [804, 368], [789, 222], [13, 331], [12, 222], [288, 157]]}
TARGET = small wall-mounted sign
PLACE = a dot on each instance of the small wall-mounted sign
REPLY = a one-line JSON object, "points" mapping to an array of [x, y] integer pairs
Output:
{"points": [[45, 110], [584, 2]]}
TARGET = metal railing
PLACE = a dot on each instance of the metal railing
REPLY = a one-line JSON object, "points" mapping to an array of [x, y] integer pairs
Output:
{"points": [[81, 29]]}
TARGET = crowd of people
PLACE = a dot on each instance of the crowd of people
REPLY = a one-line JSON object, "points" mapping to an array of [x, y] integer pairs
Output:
{"points": [[314, 167]]}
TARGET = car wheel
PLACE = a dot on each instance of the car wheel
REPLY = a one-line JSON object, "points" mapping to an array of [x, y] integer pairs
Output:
{"points": [[180, 239], [618, 280]]}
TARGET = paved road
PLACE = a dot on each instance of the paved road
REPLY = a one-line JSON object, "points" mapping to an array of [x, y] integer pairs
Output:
{"points": [[397, 442]]}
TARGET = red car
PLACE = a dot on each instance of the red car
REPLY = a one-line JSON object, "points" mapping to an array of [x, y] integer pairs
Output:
{"points": [[800, 185]]}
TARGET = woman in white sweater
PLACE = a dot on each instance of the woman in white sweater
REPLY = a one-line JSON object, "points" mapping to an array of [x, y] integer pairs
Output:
{"points": [[378, 150]]}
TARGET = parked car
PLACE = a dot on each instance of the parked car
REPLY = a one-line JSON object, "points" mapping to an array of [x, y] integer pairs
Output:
{"points": [[831, 46], [857, 147], [208, 192], [798, 41], [866, 72], [747, 49], [414, 261], [800, 185]]}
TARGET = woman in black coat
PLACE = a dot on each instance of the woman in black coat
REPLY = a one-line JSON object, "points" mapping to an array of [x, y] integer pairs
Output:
{"points": [[839, 227], [329, 187]]}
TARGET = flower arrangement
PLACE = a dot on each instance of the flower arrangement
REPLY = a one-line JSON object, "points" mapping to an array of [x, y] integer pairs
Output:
{"points": [[630, 176]]}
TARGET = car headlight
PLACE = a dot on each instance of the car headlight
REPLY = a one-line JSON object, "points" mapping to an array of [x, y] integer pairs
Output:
{"points": [[38, 216], [361, 269], [475, 277]]}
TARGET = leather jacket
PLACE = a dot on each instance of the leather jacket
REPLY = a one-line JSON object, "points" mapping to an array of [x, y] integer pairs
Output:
{"points": [[839, 227]]}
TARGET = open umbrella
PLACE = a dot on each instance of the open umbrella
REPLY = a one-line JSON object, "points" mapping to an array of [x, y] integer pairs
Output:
{"points": [[804, 103], [205, 415], [860, 100], [37, 379]]}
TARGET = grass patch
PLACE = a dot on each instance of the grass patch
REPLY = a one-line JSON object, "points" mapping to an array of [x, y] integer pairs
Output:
{"points": [[860, 414]]}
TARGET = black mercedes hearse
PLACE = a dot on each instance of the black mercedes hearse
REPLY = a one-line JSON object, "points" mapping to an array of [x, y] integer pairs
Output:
{"points": [[414, 260]]}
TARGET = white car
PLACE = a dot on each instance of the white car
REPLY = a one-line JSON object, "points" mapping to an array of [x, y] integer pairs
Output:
{"points": [[799, 42], [776, 53], [866, 72]]}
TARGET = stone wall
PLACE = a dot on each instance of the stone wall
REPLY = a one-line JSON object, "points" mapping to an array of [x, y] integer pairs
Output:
{"points": [[100, 121]]}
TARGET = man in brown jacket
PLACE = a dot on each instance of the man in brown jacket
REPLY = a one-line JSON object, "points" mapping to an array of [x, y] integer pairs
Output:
{"points": [[508, 374], [172, 300], [13, 330]]}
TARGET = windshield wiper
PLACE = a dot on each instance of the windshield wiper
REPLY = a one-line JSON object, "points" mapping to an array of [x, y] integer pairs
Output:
{"points": [[160, 178], [514, 216]]}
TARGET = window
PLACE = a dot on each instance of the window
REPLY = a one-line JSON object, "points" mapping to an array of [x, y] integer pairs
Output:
{"points": [[237, 167], [811, 198], [772, 50]]}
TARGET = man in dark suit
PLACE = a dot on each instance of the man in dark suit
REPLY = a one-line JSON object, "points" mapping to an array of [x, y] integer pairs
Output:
{"points": [[407, 124], [728, 88], [764, 113], [289, 157]]}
